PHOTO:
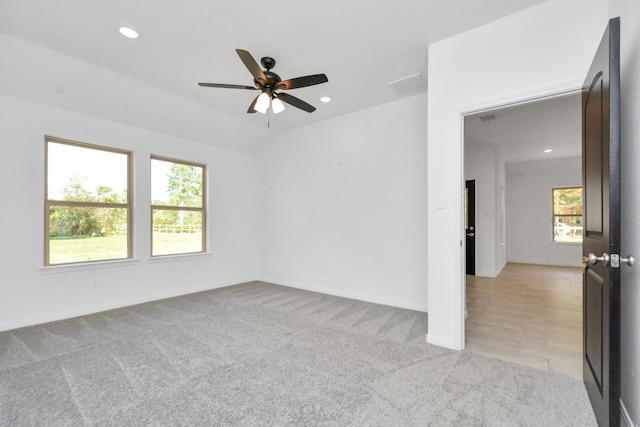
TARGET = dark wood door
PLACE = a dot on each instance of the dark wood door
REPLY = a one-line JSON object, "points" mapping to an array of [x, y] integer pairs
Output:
{"points": [[601, 246], [470, 225]]}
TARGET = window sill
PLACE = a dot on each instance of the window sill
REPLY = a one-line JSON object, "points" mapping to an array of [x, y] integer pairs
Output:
{"points": [[178, 257], [65, 268], [566, 243]]}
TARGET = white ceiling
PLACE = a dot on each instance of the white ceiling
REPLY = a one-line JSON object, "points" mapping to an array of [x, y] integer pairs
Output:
{"points": [[522, 132], [360, 45]]}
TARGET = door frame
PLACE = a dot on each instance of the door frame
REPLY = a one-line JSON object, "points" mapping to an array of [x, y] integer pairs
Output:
{"points": [[459, 113]]}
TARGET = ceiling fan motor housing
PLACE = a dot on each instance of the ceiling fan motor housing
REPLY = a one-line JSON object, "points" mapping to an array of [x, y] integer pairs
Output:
{"points": [[268, 62], [272, 82]]}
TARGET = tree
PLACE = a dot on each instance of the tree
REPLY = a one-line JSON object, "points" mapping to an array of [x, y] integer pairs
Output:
{"points": [[110, 220], [184, 185], [74, 190], [567, 201], [567, 207], [73, 221]]}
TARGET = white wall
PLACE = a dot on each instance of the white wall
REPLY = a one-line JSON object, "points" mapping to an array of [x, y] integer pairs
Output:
{"points": [[542, 49], [485, 165], [343, 205], [529, 211], [45, 76], [629, 12], [30, 294]]}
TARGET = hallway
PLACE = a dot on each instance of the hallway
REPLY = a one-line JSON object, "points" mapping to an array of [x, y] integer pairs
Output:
{"points": [[530, 315]]}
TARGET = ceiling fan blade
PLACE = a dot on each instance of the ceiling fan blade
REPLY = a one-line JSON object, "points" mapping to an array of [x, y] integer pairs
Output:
{"points": [[226, 86], [314, 79], [296, 102], [252, 107], [252, 65]]}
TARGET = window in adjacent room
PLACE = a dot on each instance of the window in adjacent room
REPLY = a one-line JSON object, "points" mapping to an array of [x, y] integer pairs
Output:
{"points": [[567, 215], [88, 203], [177, 207]]}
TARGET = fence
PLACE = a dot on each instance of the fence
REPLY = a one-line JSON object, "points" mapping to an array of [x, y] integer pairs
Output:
{"points": [[177, 228]]}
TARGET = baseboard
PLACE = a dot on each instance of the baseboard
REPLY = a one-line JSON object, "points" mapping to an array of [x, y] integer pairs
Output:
{"points": [[625, 418], [528, 261], [351, 295], [156, 297], [111, 306], [442, 342]]}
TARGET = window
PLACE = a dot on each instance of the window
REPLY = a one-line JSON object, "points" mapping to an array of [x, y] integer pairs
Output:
{"points": [[88, 203], [177, 207], [567, 215]]}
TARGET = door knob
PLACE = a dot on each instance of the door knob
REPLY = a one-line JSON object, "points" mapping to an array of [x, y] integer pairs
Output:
{"points": [[593, 259], [470, 234], [630, 260], [616, 260]]}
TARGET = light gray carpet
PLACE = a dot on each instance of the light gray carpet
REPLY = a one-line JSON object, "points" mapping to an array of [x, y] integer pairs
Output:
{"points": [[261, 354]]}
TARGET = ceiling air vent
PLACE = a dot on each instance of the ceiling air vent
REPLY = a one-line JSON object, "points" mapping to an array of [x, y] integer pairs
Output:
{"points": [[410, 85], [488, 118]]}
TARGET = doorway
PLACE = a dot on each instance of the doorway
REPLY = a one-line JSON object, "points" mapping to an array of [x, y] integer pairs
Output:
{"points": [[470, 226], [518, 267]]}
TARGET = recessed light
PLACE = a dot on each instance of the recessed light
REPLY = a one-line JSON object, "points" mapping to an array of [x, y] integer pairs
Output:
{"points": [[325, 99], [548, 150], [128, 32]]}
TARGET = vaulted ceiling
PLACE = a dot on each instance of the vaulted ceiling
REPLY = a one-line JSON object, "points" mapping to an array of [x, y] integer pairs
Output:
{"points": [[69, 54]]}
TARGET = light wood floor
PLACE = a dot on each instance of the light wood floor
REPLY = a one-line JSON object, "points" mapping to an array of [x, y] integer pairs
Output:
{"points": [[529, 314]]}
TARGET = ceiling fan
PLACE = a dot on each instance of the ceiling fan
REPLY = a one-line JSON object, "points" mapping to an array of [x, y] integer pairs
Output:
{"points": [[268, 83]]}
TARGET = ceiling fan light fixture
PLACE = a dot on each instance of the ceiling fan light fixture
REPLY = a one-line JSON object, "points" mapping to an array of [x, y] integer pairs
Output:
{"points": [[277, 106], [262, 103]]}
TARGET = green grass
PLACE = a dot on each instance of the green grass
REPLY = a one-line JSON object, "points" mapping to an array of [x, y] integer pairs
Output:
{"points": [[180, 243], [83, 249]]}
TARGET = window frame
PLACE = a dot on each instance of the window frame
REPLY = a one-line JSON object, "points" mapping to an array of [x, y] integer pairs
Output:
{"points": [[554, 215], [202, 209], [49, 203]]}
